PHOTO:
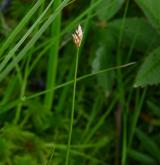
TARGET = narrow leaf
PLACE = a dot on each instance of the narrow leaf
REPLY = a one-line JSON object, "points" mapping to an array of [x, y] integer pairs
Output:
{"points": [[148, 143], [141, 157]]}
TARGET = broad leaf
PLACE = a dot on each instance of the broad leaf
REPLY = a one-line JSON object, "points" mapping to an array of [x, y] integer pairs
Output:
{"points": [[151, 10], [137, 31], [108, 8], [104, 59], [149, 73]]}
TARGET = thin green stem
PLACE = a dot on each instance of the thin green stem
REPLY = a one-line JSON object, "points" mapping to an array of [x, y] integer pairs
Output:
{"points": [[65, 91], [139, 104], [78, 79], [23, 89], [14, 103], [121, 91], [86, 28], [73, 109], [100, 122]]}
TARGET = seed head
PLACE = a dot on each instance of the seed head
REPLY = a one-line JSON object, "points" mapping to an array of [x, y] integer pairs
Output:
{"points": [[77, 36]]}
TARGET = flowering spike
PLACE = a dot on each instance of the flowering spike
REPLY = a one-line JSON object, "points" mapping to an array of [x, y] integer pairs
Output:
{"points": [[77, 36]]}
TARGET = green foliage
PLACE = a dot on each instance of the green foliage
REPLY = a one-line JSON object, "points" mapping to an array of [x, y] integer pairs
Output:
{"points": [[25, 160], [154, 108], [149, 71], [141, 157], [34, 125], [5, 149], [132, 35], [104, 59], [151, 10], [137, 31], [19, 13], [38, 115], [111, 6], [149, 144]]}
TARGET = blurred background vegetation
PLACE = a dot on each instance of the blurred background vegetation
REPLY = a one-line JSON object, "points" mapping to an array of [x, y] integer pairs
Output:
{"points": [[117, 108]]}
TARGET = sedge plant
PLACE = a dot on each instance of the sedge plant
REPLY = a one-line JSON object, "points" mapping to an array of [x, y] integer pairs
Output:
{"points": [[77, 38]]}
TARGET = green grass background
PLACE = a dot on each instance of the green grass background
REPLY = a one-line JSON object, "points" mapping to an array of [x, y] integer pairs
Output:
{"points": [[79, 106]]}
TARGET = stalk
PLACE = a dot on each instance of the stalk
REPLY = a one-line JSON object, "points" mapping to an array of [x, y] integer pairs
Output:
{"points": [[77, 38]]}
